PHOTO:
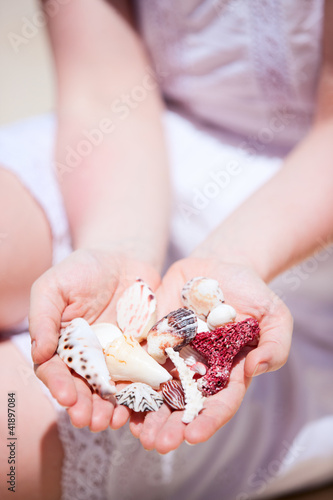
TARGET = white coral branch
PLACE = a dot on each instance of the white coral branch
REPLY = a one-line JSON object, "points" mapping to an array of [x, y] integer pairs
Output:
{"points": [[194, 400]]}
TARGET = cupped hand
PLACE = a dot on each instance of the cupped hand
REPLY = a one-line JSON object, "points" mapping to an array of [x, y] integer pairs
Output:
{"points": [[87, 284], [250, 296]]}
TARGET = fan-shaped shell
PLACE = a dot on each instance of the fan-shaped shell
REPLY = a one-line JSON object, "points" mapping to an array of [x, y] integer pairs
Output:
{"points": [[139, 397], [136, 310]]}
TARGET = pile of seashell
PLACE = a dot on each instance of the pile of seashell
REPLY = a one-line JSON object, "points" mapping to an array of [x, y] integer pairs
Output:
{"points": [[201, 339]]}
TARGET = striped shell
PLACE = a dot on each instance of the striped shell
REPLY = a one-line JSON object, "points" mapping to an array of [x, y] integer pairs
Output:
{"points": [[139, 397], [194, 401], [173, 394], [202, 295], [175, 330]]}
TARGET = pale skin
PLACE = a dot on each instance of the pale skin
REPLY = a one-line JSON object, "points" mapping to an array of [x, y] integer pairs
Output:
{"points": [[114, 243]]}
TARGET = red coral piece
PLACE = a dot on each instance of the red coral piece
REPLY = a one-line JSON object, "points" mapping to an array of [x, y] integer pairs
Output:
{"points": [[220, 347]]}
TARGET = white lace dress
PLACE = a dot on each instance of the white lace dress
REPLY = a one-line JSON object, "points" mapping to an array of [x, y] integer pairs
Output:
{"points": [[239, 79]]}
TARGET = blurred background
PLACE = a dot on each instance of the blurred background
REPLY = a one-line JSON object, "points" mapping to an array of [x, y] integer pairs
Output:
{"points": [[26, 83], [27, 88]]}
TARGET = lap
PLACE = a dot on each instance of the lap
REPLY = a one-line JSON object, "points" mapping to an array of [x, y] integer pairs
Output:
{"points": [[39, 452]]}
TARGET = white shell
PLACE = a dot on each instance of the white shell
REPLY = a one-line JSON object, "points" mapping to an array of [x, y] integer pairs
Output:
{"points": [[191, 356], [140, 397], [127, 360], [202, 295], [106, 333], [202, 326], [80, 349], [220, 315], [175, 330], [194, 400], [136, 310]]}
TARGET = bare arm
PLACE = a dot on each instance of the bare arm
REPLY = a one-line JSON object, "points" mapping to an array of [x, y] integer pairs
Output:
{"points": [[110, 153], [112, 166], [292, 215]]}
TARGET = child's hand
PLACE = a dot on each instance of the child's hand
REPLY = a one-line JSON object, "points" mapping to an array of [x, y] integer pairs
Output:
{"points": [[87, 284], [250, 296]]}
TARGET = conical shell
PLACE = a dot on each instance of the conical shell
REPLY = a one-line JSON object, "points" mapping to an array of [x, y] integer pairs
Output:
{"points": [[202, 295], [80, 349], [127, 360], [106, 333], [136, 310], [139, 397], [175, 330]]}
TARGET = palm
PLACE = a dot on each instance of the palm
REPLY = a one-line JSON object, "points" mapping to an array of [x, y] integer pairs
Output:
{"points": [[87, 285], [245, 291]]}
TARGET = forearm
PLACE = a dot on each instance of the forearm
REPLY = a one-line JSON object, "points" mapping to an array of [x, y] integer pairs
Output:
{"points": [[288, 218], [110, 154]]}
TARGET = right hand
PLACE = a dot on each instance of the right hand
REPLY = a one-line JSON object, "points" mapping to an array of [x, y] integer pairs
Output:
{"points": [[86, 284]]}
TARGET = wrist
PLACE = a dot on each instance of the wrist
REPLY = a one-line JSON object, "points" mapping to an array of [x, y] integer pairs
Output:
{"points": [[229, 253], [128, 256]]}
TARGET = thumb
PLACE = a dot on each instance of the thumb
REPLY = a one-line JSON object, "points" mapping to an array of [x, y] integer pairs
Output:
{"points": [[274, 345], [46, 308]]}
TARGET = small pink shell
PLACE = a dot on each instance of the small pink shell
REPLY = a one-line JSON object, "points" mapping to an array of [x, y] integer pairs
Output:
{"points": [[173, 394], [199, 368]]}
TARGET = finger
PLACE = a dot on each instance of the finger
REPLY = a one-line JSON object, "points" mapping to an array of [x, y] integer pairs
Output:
{"points": [[171, 434], [120, 416], [102, 411], [81, 413], [136, 423], [153, 423], [274, 344], [218, 410], [46, 307], [57, 377]]}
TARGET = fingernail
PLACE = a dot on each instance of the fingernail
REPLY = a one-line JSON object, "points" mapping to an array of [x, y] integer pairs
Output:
{"points": [[260, 369], [33, 347], [190, 444]]}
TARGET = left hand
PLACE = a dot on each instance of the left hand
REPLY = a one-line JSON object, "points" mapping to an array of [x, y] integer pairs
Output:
{"points": [[250, 296]]}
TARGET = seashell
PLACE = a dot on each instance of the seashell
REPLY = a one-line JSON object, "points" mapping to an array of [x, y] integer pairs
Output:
{"points": [[174, 395], [106, 333], [202, 326], [127, 360], [202, 295], [191, 356], [199, 368], [194, 400], [175, 330], [136, 310], [139, 397], [80, 349], [220, 315]]}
